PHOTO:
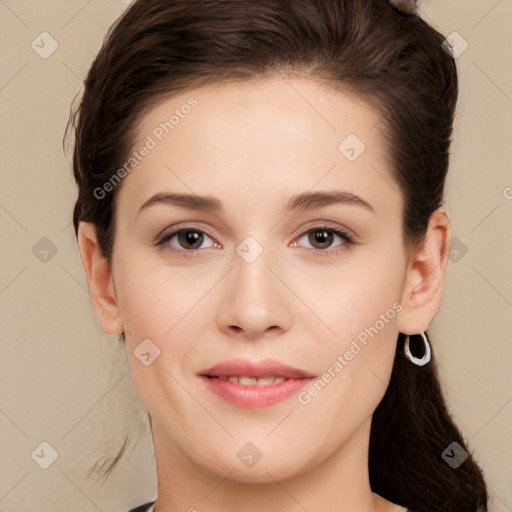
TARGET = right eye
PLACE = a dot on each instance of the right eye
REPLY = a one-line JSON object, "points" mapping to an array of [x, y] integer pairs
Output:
{"points": [[187, 240]]}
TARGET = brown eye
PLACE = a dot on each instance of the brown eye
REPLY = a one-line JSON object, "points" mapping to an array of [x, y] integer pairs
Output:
{"points": [[187, 240], [321, 240], [322, 237], [190, 239]]}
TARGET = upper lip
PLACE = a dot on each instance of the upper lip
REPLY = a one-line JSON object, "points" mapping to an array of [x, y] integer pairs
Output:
{"points": [[260, 369]]}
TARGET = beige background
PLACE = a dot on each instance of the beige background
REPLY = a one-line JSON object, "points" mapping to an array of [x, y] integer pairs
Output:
{"points": [[66, 383]]}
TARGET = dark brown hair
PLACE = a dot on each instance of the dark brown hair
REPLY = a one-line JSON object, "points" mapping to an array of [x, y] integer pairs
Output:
{"points": [[390, 58]]}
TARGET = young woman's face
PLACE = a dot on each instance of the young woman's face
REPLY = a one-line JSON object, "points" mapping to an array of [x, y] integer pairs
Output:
{"points": [[259, 178]]}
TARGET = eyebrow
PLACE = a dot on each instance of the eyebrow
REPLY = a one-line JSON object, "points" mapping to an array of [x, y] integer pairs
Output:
{"points": [[303, 201], [192, 201], [325, 198]]}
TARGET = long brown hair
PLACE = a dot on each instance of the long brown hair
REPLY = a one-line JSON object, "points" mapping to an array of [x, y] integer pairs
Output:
{"points": [[393, 60]]}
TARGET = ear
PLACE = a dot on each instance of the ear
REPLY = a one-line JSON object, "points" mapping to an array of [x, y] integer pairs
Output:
{"points": [[99, 280], [426, 277]]}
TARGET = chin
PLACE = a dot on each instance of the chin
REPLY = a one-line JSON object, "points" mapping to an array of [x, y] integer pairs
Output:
{"points": [[263, 470]]}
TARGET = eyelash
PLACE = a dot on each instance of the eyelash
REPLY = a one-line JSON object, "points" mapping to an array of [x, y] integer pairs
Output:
{"points": [[348, 240]]}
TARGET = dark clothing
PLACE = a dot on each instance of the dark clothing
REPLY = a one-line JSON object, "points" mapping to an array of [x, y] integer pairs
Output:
{"points": [[142, 508]]}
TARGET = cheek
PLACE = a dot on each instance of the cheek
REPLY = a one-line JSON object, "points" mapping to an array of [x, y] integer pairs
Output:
{"points": [[166, 306], [358, 306], [153, 298], [342, 299]]}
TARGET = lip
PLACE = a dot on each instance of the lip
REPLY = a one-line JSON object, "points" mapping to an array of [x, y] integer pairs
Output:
{"points": [[254, 397], [261, 369]]}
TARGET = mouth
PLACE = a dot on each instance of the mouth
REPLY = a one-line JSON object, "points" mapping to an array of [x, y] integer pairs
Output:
{"points": [[246, 369], [250, 381], [251, 385]]}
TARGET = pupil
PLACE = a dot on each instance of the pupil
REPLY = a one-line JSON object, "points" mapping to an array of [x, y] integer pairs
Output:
{"points": [[191, 237], [321, 236]]}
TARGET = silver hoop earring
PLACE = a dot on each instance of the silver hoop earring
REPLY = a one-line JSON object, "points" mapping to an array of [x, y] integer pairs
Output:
{"points": [[427, 353]]}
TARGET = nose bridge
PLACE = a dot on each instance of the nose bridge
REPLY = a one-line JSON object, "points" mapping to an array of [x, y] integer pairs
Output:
{"points": [[253, 301], [251, 269]]}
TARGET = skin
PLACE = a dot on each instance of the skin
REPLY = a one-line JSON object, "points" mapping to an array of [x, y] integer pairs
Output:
{"points": [[252, 146]]}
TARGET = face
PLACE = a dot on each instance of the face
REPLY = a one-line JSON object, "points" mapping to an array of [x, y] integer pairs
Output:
{"points": [[295, 265]]}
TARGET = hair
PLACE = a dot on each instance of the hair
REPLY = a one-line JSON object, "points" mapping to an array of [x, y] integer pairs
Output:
{"points": [[382, 52]]}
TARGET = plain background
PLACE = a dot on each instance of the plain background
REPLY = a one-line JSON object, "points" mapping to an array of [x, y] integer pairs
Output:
{"points": [[66, 383]]}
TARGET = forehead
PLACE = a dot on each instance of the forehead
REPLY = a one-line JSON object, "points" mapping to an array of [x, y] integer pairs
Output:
{"points": [[252, 138], [291, 107]]}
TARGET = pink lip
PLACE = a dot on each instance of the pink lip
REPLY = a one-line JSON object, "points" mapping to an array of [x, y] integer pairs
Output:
{"points": [[253, 397], [261, 369]]}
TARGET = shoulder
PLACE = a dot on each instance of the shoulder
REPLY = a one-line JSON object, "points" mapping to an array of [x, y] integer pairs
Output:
{"points": [[147, 507]]}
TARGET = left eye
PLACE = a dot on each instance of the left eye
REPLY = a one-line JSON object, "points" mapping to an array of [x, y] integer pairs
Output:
{"points": [[322, 238]]}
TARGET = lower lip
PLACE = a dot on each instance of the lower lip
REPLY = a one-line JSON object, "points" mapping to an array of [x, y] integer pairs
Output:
{"points": [[254, 397]]}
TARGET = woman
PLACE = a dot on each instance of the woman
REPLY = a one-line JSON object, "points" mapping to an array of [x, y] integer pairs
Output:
{"points": [[260, 220]]}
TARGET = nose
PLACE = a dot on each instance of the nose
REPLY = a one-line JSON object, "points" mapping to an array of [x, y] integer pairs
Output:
{"points": [[254, 302]]}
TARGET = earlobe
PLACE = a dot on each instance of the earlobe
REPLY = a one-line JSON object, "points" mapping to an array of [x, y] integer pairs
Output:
{"points": [[425, 279], [99, 280]]}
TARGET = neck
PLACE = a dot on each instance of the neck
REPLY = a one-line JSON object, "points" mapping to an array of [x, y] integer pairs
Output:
{"points": [[337, 484]]}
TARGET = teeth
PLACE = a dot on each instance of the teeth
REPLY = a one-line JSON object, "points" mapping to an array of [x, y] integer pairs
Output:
{"points": [[247, 381], [253, 381]]}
